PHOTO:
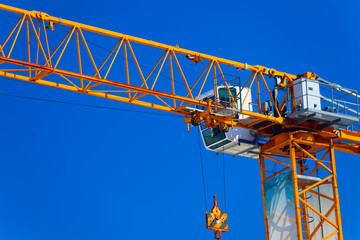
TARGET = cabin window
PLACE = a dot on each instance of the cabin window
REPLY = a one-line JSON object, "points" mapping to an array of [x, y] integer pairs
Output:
{"points": [[217, 135], [224, 95], [220, 144]]}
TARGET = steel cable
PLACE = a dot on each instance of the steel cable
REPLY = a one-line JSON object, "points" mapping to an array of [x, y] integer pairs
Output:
{"points": [[202, 170]]}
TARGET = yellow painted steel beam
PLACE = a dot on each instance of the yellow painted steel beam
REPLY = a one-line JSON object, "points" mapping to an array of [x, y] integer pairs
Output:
{"points": [[277, 161], [104, 81], [295, 187], [342, 134], [316, 184], [304, 209], [312, 157], [46, 17], [335, 190], [263, 179], [322, 221], [92, 93], [319, 213]]}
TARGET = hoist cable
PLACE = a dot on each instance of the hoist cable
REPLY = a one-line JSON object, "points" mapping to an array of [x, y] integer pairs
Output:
{"points": [[224, 179], [202, 170]]}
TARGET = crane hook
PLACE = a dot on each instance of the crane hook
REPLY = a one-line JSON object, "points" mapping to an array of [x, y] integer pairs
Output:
{"points": [[216, 220]]}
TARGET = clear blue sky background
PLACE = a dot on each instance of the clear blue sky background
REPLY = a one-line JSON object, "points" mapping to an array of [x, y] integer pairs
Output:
{"points": [[71, 172]]}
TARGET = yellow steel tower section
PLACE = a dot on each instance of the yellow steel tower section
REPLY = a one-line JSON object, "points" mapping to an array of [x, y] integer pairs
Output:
{"points": [[297, 152], [292, 148]]}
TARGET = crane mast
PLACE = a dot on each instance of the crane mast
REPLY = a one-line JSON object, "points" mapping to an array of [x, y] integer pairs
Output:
{"points": [[297, 143]]}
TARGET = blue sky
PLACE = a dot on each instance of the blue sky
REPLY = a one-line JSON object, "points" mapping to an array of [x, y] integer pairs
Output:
{"points": [[72, 172]]}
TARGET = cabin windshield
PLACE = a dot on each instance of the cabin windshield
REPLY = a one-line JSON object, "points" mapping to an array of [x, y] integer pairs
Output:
{"points": [[218, 135], [220, 144], [224, 95]]}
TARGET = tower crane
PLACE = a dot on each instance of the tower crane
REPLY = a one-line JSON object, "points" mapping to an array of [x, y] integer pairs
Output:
{"points": [[290, 123]]}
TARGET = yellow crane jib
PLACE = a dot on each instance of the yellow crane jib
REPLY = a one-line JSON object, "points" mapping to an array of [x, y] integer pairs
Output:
{"points": [[217, 220]]}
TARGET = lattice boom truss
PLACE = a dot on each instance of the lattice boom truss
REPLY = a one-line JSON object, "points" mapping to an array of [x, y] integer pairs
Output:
{"points": [[45, 55]]}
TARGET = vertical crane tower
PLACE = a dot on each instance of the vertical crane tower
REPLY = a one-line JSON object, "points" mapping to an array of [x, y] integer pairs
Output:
{"points": [[291, 123]]}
